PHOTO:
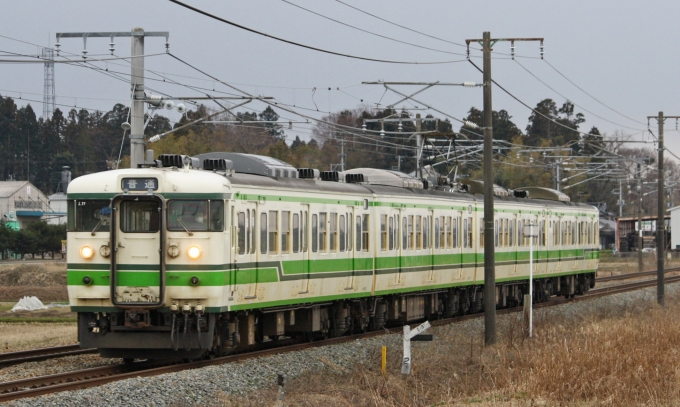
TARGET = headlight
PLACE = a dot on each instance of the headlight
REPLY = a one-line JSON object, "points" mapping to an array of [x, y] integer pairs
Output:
{"points": [[86, 252], [194, 252]]}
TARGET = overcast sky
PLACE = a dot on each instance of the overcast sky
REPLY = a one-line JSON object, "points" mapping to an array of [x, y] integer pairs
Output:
{"points": [[623, 53]]}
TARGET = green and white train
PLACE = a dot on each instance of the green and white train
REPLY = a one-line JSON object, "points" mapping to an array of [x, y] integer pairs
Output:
{"points": [[194, 256]]}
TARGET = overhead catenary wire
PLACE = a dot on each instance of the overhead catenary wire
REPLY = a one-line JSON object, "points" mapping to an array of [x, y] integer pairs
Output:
{"points": [[297, 44], [370, 32]]}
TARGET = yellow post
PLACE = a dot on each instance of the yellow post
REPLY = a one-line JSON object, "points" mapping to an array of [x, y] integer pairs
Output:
{"points": [[384, 359]]}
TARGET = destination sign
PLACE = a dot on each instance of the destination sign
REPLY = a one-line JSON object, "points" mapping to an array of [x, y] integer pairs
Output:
{"points": [[140, 184]]}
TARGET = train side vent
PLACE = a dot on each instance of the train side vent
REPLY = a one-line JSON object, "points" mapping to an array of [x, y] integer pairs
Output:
{"points": [[354, 178], [308, 173], [330, 176], [520, 194], [217, 164], [171, 160]]}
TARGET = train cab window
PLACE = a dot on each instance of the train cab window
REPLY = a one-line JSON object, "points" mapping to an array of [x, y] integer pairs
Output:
{"points": [[437, 237], [315, 233], [419, 236], [241, 233], [90, 215], [285, 231], [343, 233], [364, 233], [139, 216], [333, 232], [323, 219], [390, 233], [296, 233], [273, 232], [383, 232], [263, 233]]}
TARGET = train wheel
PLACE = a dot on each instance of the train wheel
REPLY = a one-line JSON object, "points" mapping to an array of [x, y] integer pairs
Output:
{"points": [[128, 361]]}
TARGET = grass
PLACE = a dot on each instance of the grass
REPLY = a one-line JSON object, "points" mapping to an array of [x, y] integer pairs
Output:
{"points": [[616, 355], [18, 336]]}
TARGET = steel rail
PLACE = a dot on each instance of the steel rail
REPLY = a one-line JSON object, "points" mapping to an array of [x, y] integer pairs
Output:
{"points": [[81, 379], [37, 355]]}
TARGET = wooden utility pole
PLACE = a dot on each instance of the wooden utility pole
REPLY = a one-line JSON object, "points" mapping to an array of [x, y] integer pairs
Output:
{"points": [[489, 256]]}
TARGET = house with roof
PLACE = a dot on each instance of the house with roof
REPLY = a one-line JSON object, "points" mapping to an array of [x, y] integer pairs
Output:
{"points": [[22, 203]]}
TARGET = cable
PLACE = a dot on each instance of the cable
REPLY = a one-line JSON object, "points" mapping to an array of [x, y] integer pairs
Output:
{"points": [[400, 26], [581, 107], [370, 32], [205, 13], [591, 96]]}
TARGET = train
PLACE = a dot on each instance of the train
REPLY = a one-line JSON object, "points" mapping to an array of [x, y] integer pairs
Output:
{"points": [[190, 257]]}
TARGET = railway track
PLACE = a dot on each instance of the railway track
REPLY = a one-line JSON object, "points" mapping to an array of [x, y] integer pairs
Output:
{"points": [[37, 355], [634, 275], [81, 379]]}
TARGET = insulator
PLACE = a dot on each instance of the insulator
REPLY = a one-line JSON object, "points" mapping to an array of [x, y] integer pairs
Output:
{"points": [[363, 127], [382, 133], [469, 84], [531, 160], [542, 51], [402, 127], [112, 47], [84, 54], [471, 124], [57, 46], [512, 50]]}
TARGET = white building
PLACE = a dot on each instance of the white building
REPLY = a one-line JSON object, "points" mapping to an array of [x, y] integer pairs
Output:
{"points": [[675, 225], [22, 203]]}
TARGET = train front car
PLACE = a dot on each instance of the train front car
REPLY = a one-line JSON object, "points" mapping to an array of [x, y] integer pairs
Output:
{"points": [[143, 248]]}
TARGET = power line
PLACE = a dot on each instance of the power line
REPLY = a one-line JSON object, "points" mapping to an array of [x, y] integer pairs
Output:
{"points": [[591, 96], [205, 13], [370, 32], [568, 99]]}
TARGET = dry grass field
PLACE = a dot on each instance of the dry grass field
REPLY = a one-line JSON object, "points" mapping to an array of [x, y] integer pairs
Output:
{"points": [[624, 354]]}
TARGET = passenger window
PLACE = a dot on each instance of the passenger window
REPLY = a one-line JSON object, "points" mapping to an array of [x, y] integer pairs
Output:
{"points": [[495, 233], [241, 233], [365, 233], [426, 232], [296, 233], [357, 228], [465, 231], [411, 233], [322, 231], [315, 233], [285, 231], [383, 232], [396, 231], [343, 233], [333, 232], [437, 237], [273, 232], [304, 231], [263, 233], [349, 232], [404, 232], [419, 237]]}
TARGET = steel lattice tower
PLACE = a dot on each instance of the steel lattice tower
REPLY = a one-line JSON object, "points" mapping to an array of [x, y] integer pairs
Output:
{"points": [[48, 92]]}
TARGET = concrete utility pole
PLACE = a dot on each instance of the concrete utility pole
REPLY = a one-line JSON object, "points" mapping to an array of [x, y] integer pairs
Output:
{"points": [[660, 220], [137, 36], [419, 146], [489, 255], [640, 241]]}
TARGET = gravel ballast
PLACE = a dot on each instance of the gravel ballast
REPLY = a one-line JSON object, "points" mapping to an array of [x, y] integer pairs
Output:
{"points": [[199, 386]]}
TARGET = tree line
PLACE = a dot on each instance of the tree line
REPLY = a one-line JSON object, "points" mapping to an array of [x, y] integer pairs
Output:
{"points": [[36, 148], [37, 238]]}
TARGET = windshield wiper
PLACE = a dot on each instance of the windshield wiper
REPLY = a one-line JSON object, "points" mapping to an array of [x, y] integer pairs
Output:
{"points": [[101, 220], [184, 226]]}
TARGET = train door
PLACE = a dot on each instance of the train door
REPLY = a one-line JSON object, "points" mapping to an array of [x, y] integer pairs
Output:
{"points": [[138, 241], [245, 259]]}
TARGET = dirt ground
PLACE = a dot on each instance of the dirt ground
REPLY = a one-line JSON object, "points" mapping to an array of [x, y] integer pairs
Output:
{"points": [[45, 280]]}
